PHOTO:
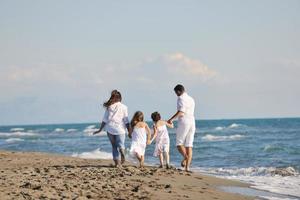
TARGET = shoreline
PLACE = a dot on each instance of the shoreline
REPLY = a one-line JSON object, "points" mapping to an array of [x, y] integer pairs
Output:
{"points": [[33, 175]]}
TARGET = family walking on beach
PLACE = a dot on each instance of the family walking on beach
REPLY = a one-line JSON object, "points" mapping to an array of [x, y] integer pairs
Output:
{"points": [[115, 122]]}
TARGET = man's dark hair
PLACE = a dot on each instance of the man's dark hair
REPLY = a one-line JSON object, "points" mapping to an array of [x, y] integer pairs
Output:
{"points": [[155, 116], [179, 88]]}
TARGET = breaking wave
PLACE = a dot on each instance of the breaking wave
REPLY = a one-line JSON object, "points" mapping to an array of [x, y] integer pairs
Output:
{"points": [[71, 130], [96, 154], [16, 129], [272, 179], [17, 134], [213, 138], [59, 130], [234, 125], [13, 140]]}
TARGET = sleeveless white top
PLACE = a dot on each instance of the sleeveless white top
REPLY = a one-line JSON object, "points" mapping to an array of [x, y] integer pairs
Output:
{"points": [[139, 141], [139, 135], [162, 140], [162, 135]]}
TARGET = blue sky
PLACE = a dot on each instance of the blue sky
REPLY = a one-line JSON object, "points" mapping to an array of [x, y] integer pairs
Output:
{"points": [[60, 59]]}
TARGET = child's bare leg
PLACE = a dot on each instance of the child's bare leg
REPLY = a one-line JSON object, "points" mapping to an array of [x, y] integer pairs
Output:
{"points": [[167, 157], [161, 160], [142, 161], [139, 158]]}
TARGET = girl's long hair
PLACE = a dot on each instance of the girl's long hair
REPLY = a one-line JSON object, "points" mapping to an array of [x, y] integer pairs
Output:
{"points": [[114, 98], [137, 117]]}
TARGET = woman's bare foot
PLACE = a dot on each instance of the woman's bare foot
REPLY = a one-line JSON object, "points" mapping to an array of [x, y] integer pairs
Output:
{"points": [[117, 163], [122, 156], [168, 166], [160, 166]]}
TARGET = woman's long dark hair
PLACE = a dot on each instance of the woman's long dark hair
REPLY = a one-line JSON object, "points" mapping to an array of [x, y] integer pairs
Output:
{"points": [[137, 117], [115, 97]]}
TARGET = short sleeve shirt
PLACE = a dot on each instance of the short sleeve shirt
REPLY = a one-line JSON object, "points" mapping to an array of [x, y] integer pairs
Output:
{"points": [[186, 104]]}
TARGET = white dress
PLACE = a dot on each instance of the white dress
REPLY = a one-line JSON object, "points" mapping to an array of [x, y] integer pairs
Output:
{"points": [[162, 140], [139, 141]]}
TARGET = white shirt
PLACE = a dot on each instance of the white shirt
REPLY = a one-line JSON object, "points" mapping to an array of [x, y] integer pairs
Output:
{"points": [[186, 104], [116, 118]]}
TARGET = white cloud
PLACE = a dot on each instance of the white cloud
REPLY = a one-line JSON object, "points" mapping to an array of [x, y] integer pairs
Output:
{"points": [[182, 64], [171, 69], [163, 71]]}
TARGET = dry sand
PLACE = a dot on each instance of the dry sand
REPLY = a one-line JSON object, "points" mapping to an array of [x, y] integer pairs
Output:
{"points": [[47, 176]]}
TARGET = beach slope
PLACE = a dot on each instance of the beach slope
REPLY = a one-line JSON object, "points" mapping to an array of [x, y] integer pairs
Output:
{"points": [[48, 176]]}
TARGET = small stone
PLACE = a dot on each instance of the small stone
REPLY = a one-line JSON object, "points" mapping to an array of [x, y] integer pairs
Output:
{"points": [[135, 189]]}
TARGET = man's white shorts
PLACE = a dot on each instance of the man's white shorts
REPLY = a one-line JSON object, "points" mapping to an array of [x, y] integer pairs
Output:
{"points": [[185, 134]]}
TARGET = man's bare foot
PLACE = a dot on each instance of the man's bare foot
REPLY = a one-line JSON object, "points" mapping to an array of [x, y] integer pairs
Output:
{"points": [[183, 163], [160, 166], [187, 169], [168, 166]]}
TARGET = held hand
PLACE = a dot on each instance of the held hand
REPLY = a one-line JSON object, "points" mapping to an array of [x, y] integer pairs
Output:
{"points": [[94, 133], [170, 121], [149, 142], [154, 128]]}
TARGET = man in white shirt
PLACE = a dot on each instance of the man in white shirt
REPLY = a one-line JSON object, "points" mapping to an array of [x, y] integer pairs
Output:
{"points": [[186, 125]]}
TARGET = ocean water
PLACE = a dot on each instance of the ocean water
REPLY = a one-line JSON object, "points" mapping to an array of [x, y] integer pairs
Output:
{"points": [[263, 152]]}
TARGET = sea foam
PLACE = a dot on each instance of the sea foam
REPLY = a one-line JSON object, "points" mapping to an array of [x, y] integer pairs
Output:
{"points": [[13, 140], [71, 130], [96, 154], [276, 180], [214, 138], [234, 125], [16, 129], [220, 128], [272, 148], [89, 130], [59, 130], [17, 134]]}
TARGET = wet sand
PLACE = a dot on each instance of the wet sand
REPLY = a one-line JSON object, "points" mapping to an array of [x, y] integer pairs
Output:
{"points": [[47, 176]]}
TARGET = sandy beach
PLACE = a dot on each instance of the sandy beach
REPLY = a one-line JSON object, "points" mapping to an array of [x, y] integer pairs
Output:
{"points": [[47, 176]]}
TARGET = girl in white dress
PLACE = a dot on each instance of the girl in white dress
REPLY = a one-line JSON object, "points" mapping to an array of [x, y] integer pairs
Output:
{"points": [[140, 136], [161, 135]]}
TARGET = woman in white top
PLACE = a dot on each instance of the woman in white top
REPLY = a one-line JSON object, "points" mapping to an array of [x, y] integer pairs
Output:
{"points": [[162, 143], [115, 122], [140, 136]]}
